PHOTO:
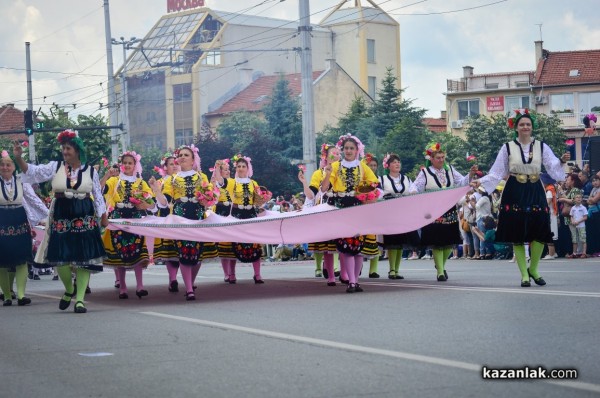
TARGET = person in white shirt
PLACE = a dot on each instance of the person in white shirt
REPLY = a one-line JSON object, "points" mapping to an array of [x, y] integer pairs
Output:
{"points": [[579, 216]]}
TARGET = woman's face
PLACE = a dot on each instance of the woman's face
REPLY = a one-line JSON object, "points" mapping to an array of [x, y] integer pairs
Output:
{"points": [[350, 150], [70, 154], [170, 166], [225, 171], [241, 168], [524, 127], [7, 168], [596, 183], [569, 182], [395, 166], [185, 159], [438, 159], [373, 166], [333, 155], [128, 165]]}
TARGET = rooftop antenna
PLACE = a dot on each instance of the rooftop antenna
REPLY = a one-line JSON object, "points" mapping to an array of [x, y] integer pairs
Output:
{"points": [[539, 25]]}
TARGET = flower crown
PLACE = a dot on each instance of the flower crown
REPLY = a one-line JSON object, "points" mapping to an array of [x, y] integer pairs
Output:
{"points": [[162, 169], [66, 136], [238, 157], [5, 154], [519, 113], [220, 163], [72, 137], [432, 149], [346, 137], [386, 159], [136, 157], [194, 150], [370, 157]]}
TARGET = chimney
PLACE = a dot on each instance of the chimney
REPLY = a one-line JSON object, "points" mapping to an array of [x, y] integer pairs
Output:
{"points": [[330, 64], [443, 115], [245, 76], [539, 51], [467, 71]]}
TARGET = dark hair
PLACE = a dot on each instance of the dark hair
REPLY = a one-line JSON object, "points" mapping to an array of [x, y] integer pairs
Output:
{"points": [[392, 158], [130, 155], [595, 177], [242, 160], [489, 222], [576, 181]]}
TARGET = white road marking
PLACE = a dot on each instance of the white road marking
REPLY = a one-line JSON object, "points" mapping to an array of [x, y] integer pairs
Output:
{"points": [[357, 348]]}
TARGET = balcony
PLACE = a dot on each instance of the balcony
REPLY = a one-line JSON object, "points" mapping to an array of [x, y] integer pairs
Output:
{"points": [[570, 119]]}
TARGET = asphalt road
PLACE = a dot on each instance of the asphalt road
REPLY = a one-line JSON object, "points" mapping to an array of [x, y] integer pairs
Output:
{"points": [[296, 337]]}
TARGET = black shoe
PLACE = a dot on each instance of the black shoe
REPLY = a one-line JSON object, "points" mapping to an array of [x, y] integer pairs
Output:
{"points": [[30, 275], [373, 275], [525, 284], [117, 284], [36, 277], [55, 278], [123, 296], [446, 274], [23, 301], [257, 281], [232, 281], [190, 296], [88, 290], [141, 293], [331, 283], [441, 278], [358, 289], [344, 281], [539, 281], [351, 288], [336, 273], [13, 295], [174, 286], [7, 303], [64, 304], [325, 274], [79, 308], [401, 277], [226, 280]]}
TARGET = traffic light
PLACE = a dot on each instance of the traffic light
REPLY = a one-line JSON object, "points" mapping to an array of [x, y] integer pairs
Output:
{"points": [[28, 121]]}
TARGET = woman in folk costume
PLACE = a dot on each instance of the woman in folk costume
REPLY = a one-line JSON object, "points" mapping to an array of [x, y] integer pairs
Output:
{"points": [[164, 249], [20, 209], [246, 195], [371, 247], [130, 197], [395, 184], [444, 232], [187, 189], [224, 208], [346, 178], [524, 214], [324, 252], [73, 234]]}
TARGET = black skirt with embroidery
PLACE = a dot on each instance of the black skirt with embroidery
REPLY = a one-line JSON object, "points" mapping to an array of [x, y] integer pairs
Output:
{"points": [[190, 252], [523, 215], [442, 232], [15, 237], [246, 252]]}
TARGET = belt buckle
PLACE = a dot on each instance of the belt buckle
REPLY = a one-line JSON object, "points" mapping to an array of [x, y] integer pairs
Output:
{"points": [[194, 200], [68, 194], [534, 178], [184, 199], [522, 178], [120, 205], [80, 195]]}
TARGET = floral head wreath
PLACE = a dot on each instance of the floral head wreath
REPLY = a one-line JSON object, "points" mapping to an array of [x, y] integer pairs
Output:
{"points": [[194, 150], [519, 113], [162, 169], [324, 149], [237, 158], [137, 158], [359, 144], [71, 137], [6, 155], [212, 169], [430, 151], [370, 157], [386, 161]]}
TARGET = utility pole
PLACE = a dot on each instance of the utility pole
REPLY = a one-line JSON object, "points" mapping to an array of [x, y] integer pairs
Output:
{"points": [[32, 154], [124, 102], [308, 115], [112, 99]]}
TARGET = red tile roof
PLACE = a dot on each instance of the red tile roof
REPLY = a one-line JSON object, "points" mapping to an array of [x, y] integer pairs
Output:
{"points": [[12, 118], [256, 95], [437, 125], [555, 68]]}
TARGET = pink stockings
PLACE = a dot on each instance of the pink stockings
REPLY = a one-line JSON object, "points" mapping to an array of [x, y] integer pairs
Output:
{"points": [[121, 271], [352, 264], [328, 265], [189, 273]]}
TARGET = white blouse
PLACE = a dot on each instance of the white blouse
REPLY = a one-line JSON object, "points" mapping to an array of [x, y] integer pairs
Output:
{"points": [[418, 186]]}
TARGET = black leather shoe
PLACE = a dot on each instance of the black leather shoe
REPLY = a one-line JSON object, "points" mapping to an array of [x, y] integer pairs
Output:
{"points": [[232, 281], [445, 274], [358, 289], [401, 277], [257, 281], [7, 303], [117, 284], [351, 288], [79, 308], [525, 284], [331, 283], [336, 273], [441, 278], [344, 281], [174, 286], [141, 293], [23, 301], [36, 277], [373, 275], [539, 281], [325, 274], [64, 304], [190, 296], [123, 296], [88, 290]]}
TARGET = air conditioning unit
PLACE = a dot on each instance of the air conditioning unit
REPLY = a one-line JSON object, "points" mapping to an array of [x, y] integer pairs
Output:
{"points": [[456, 124], [541, 99]]}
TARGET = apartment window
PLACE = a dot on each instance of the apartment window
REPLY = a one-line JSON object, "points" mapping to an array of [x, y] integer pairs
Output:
{"points": [[370, 51], [589, 102], [516, 102], [212, 58], [562, 103], [468, 108], [184, 137], [372, 86], [182, 92], [491, 86]]}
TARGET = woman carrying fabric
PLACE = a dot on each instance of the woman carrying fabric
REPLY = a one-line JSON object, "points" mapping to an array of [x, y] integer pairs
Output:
{"points": [[131, 197], [524, 214], [243, 192], [20, 209], [395, 184], [444, 232], [325, 253], [224, 208], [182, 189], [345, 177], [73, 234]]}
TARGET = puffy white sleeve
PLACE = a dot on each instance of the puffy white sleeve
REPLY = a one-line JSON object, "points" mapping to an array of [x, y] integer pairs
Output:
{"points": [[418, 185], [34, 207], [459, 179], [498, 171], [39, 173], [99, 204], [552, 164]]}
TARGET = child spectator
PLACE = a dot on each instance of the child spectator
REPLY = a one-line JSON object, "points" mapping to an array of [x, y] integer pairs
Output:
{"points": [[578, 217]]}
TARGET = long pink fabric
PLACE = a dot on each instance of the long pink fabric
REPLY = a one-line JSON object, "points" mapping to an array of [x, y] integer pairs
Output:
{"points": [[313, 224]]}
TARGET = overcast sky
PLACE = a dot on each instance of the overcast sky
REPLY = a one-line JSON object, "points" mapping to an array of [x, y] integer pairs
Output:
{"points": [[438, 37]]}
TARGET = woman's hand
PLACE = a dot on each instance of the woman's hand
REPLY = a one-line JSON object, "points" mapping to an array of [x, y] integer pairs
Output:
{"points": [[301, 177], [473, 171], [104, 220], [17, 149], [565, 157]]}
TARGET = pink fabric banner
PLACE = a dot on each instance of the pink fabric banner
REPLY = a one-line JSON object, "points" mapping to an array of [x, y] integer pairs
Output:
{"points": [[313, 224]]}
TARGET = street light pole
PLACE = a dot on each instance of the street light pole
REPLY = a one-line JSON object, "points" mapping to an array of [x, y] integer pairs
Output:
{"points": [[112, 99], [308, 116]]}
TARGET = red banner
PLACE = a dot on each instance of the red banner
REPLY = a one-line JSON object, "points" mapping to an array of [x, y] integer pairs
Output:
{"points": [[495, 104]]}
